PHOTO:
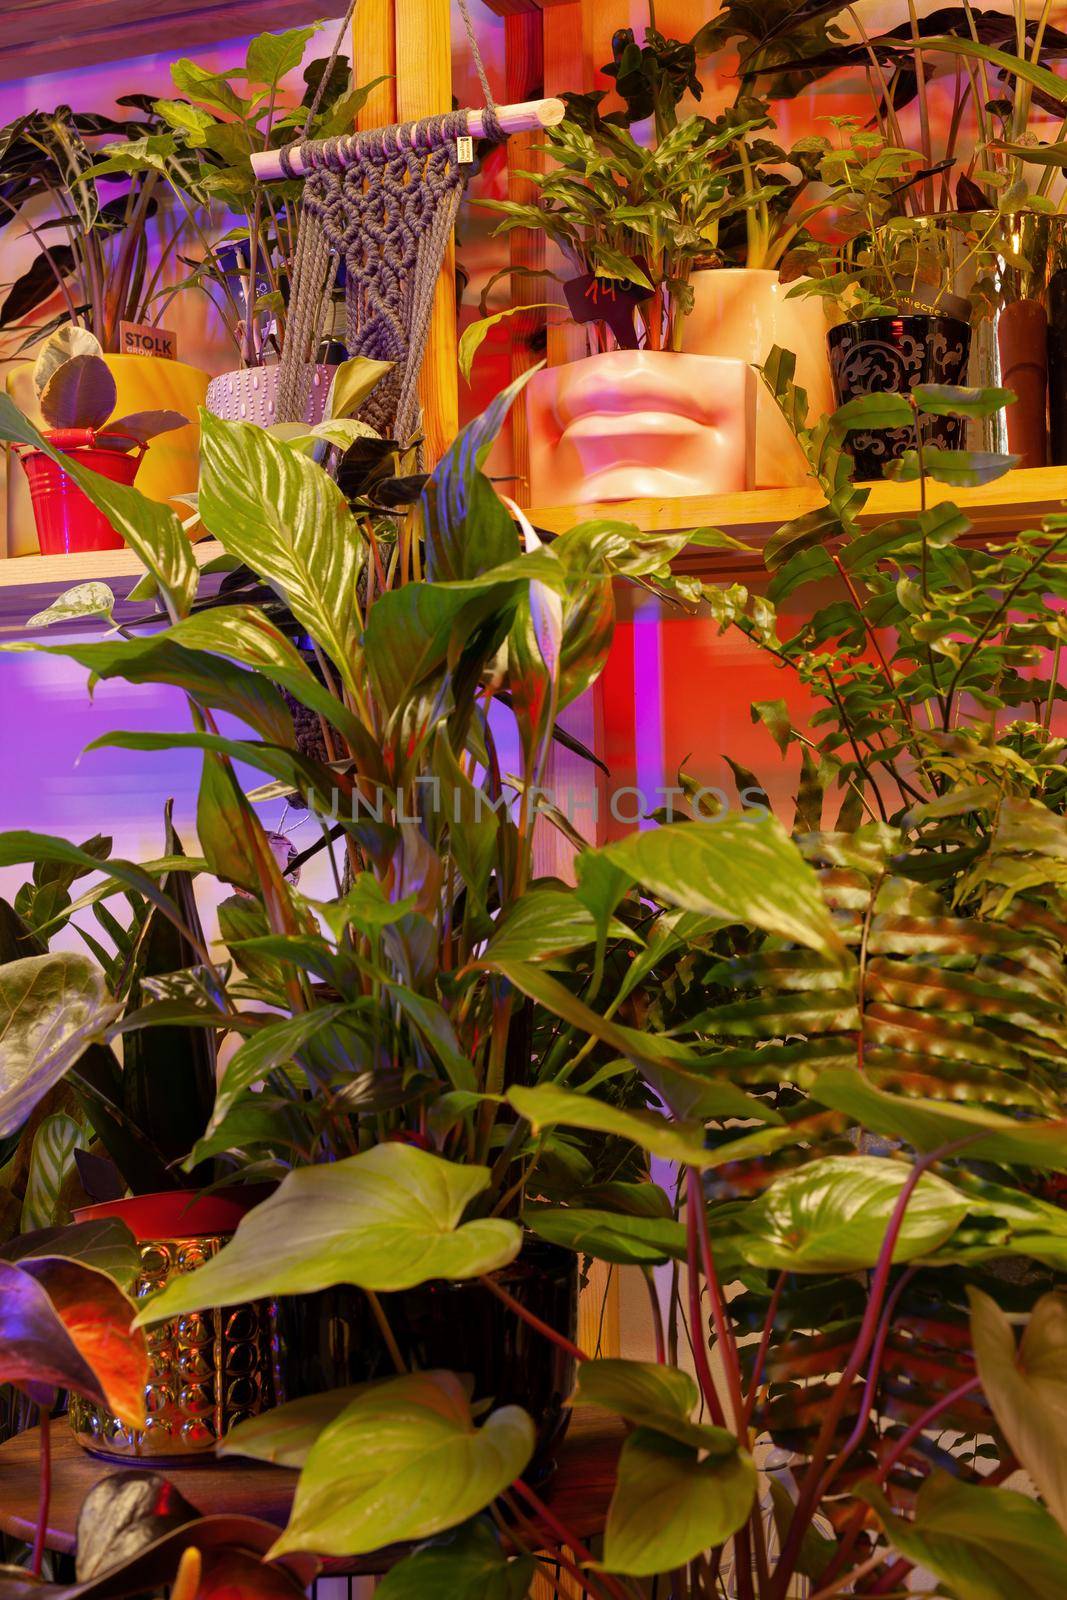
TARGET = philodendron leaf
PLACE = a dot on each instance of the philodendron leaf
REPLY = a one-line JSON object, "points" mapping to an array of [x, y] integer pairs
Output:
{"points": [[383, 1220], [609, 1235], [983, 1544], [52, 1007], [670, 1504], [403, 1461], [466, 1565], [284, 1436], [930, 1124], [832, 1215], [66, 1326], [1027, 1388], [651, 1395], [739, 869]]}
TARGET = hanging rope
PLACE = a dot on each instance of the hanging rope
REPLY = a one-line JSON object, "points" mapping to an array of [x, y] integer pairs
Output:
{"points": [[385, 202]]}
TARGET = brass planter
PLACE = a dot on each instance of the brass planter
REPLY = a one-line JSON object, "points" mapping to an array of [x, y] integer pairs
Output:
{"points": [[210, 1369]]}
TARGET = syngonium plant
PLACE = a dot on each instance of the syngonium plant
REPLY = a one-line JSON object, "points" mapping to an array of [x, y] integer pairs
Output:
{"points": [[874, 1005]]}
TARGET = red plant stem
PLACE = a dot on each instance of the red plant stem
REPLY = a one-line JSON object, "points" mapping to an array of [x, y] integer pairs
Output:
{"points": [[723, 1331], [696, 1318], [764, 1346], [657, 1316], [892, 1577], [535, 1322], [45, 1498], [909, 1436], [565, 1537], [873, 1371], [540, 1548]]}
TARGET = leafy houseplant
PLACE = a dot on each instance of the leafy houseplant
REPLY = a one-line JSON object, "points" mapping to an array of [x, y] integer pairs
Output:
{"points": [[77, 396]]}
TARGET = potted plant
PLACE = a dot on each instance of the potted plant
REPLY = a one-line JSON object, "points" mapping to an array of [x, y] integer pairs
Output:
{"points": [[77, 396], [204, 155]]}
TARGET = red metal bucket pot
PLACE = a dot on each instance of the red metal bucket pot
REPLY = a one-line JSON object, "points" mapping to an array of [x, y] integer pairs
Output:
{"points": [[67, 521]]}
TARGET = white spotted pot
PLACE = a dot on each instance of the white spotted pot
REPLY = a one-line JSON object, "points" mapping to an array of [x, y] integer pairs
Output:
{"points": [[251, 395]]}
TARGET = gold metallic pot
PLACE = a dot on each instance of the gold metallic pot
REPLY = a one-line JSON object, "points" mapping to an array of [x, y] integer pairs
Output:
{"points": [[210, 1369]]}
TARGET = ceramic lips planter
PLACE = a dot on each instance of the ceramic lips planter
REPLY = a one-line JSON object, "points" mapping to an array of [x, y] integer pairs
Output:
{"points": [[209, 1369], [743, 312], [892, 355], [67, 521], [251, 395], [640, 424]]}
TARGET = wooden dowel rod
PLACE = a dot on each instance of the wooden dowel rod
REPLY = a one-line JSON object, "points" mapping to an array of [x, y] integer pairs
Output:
{"points": [[522, 118]]}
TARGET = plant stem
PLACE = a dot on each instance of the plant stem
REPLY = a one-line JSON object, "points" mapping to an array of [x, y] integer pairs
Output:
{"points": [[907, 1439], [698, 1340], [534, 1321], [764, 1346], [566, 1537], [386, 1332], [657, 1316], [45, 1497]]}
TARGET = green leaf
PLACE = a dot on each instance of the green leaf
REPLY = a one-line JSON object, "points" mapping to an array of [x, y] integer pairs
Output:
{"points": [[670, 1505], [544, 923], [1027, 1388], [150, 529], [983, 1543], [284, 1435], [469, 1565], [271, 1047], [210, 88], [831, 1216], [84, 600], [106, 1245], [881, 410], [386, 1219], [403, 1461], [51, 1009], [742, 869], [928, 1125], [351, 383], [961, 469], [475, 334], [945, 400], [609, 1235], [286, 519], [547, 1105], [51, 1162], [651, 1395], [272, 55], [1013, 65]]}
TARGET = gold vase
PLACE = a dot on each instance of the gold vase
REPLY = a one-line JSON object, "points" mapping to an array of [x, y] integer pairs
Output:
{"points": [[209, 1369]]}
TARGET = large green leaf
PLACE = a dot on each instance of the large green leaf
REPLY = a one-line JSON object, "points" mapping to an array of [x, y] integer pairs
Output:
{"points": [[547, 1105], [932, 1124], [150, 528], [403, 1461], [738, 869], [651, 1395], [468, 1565], [51, 1009], [284, 1435], [670, 1505], [1027, 1388], [832, 1215], [286, 519], [466, 528], [544, 923], [271, 55], [983, 1544], [387, 1219]]}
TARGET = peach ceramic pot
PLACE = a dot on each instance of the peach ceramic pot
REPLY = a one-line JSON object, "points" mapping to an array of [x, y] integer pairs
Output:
{"points": [[171, 464], [640, 424], [744, 312]]}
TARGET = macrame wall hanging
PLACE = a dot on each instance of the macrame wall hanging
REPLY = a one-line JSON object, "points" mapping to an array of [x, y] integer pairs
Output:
{"points": [[384, 202]]}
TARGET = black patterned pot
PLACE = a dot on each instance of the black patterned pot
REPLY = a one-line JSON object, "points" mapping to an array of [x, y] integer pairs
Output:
{"points": [[330, 1339], [892, 355]]}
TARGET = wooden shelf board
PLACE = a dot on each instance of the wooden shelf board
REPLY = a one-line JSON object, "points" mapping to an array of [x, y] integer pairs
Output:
{"points": [[1018, 500], [30, 583]]}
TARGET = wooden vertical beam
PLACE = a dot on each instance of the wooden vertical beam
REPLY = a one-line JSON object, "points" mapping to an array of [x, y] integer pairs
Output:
{"points": [[565, 68], [374, 56], [525, 75]]}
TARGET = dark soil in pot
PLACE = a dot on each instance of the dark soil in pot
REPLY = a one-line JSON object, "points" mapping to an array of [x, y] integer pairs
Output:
{"points": [[331, 1339], [892, 355]]}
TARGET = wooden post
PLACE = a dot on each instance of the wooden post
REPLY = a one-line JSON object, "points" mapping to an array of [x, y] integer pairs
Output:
{"points": [[525, 70]]}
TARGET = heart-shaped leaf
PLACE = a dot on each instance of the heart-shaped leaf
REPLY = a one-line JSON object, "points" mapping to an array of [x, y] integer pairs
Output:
{"points": [[467, 1565], [383, 1220], [651, 1395], [52, 1007], [284, 1436], [669, 1504], [403, 1461]]}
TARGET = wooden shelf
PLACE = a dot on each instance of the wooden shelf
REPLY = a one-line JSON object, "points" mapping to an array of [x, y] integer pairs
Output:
{"points": [[1016, 501], [30, 583]]}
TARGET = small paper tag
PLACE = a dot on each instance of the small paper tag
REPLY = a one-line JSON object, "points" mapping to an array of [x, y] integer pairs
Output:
{"points": [[138, 339], [464, 149]]}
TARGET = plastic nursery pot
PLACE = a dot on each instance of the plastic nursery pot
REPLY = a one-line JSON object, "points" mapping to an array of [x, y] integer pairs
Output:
{"points": [[331, 1339], [891, 355], [67, 521], [209, 1369]]}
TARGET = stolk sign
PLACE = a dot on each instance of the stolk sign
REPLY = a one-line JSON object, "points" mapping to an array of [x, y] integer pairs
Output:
{"points": [[138, 339]]}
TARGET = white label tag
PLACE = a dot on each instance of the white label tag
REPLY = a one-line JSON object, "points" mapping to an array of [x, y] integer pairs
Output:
{"points": [[464, 149]]}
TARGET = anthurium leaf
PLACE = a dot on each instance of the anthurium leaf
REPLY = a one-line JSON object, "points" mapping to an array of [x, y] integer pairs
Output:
{"points": [[150, 528], [287, 520], [285, 1435], [52, 1007], [80, 394], [670, 1505], [386, 1219], [982, 1543], [651, 1395], [928, 1125], [609, 1235], [466, 1565], [106, 1244], [403, 1461], [831, 1216], [740, 869], [546, 1105], [66, 1326], [1027, 1388]]}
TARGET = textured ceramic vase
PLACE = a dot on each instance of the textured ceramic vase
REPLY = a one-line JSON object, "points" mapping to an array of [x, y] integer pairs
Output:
{"points": [[209, 1369], [251, 395], [743, 312], [640, 424]]}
